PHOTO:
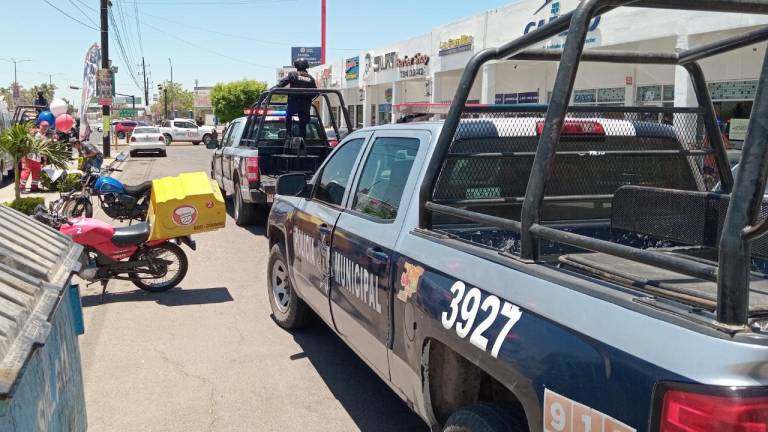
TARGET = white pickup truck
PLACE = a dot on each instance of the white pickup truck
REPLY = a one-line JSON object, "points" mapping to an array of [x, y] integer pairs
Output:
{"points": [[185, 130]]}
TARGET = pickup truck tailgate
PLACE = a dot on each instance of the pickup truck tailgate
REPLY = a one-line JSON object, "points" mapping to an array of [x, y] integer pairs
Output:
{"points": [[274, 161]]}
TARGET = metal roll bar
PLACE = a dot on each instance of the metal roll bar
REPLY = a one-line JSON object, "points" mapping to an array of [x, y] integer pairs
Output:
{"points": [[732, 274]]}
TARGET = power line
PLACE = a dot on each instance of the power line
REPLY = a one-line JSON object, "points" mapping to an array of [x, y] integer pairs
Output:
{"points": [[138, 27], [121, 48], [70, 16], [206, 49], [84, 14]]}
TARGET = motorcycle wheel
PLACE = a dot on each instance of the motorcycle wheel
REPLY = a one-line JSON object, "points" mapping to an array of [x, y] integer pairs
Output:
{"points": [[175, 267], [78, 207]]}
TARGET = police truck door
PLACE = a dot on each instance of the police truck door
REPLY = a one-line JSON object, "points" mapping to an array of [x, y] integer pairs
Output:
{"points": [[364, 240], [314, 223]]}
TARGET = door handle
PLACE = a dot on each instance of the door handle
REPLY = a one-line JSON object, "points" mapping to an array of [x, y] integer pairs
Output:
{"points": [[324, 229], [377, 255]]}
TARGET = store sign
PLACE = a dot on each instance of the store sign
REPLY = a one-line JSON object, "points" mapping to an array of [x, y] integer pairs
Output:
{"points": [[352, 69], [310, 54], [517, 98], [324, 77], [593, 37], [416, 66], [461, 44], [380, 63], [738, 129]]}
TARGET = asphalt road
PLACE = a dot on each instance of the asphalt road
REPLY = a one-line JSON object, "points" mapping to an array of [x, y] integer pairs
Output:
{"points": [[207, 356]]}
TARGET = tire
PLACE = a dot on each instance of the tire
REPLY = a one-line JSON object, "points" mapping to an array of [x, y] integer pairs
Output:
{"points": [[132, 153], [290, 312], [164, 153], [195, 142], [245, 213], [168, 139], [121, 135], [183, 265], [485, 417], [78, 207], [206, 137]]}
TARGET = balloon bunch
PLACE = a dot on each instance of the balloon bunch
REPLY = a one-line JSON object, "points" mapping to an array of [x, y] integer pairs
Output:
{"points": [[57, 116]]}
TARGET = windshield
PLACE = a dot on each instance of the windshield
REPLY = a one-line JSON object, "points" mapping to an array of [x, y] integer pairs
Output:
{"points": [[146, 130]]}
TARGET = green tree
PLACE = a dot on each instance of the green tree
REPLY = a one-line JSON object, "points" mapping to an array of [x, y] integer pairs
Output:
{"points": [[27, 96], [18, 141], [178, 98], [230, 99]]}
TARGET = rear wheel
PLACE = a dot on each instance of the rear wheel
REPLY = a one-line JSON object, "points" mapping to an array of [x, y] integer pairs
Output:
{"points": [[289, 310], [165, 268], [245, 213], [163, 153], [195, 142], [168, 139], [485, 417]]}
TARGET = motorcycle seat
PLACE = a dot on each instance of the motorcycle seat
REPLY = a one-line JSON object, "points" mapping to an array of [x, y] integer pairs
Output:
{"points": [[131, 235], [139, 189]]}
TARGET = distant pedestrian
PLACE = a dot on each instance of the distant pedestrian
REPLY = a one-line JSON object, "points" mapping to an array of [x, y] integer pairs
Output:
{"points": [[93, 157], [41, 103], [215, 135]]}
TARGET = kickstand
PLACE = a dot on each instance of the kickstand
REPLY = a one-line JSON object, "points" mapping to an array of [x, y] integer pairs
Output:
{"points": [[103, 289]]}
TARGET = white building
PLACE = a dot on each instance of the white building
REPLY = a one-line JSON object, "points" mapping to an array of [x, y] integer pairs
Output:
{"points": [[420, 75]]}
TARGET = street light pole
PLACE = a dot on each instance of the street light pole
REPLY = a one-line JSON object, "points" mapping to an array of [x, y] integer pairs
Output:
{"points": [[166, 90], [15, 77]]}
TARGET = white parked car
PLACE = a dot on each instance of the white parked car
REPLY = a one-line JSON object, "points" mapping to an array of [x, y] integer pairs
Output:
{"points": [[147, 139], [185, 130]]}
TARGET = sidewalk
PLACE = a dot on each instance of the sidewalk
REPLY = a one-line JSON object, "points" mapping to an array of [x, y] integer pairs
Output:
{"points": [[7, 191]]}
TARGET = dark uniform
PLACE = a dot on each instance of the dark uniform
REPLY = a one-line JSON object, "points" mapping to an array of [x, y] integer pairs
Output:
{"points": [[300, 105]]}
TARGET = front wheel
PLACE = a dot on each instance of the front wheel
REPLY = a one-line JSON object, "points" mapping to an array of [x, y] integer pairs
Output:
{"points": [[77, 208], [168, 139], [289, 310], [162, 267]]}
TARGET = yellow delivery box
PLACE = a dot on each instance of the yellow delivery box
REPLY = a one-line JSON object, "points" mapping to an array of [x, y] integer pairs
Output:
{"points": [[187, 204]]}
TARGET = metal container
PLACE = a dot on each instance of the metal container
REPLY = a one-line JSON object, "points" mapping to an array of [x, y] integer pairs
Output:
{"points": [[41, 383]]}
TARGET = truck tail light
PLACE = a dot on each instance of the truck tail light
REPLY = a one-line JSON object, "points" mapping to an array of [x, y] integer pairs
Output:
{"points": [[252, 169], [576, 127], [161, 138], [333, 143], [690, 411], [133, 139]]}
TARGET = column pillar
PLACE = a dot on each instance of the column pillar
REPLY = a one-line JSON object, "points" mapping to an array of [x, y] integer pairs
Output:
{"points": [[488, 93]]}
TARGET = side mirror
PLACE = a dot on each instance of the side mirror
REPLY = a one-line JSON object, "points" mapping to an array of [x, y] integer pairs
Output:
{"points": [[291, 184], [212, 144]]}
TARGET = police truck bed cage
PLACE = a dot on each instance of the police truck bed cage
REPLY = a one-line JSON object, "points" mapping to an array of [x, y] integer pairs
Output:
{"points": [[259, 111], [646, 174]]}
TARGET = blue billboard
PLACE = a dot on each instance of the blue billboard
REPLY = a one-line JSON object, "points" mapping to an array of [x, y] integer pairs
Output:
{"points": [[310, 54]]}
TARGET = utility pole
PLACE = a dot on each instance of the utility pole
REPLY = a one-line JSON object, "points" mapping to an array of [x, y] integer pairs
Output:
{"points": [[173, 108], [322, 35], [146, 82], [105, 65]]}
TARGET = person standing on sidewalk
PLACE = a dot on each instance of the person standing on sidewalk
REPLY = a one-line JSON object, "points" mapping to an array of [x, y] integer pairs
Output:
{"points": [[32, 164]]}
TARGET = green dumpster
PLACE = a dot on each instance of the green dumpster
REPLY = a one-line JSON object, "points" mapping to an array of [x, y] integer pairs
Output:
{"points": [[41, 383]]}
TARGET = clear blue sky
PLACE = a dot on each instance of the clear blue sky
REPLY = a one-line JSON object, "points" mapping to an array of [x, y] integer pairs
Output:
{"points": [[208, 40]]}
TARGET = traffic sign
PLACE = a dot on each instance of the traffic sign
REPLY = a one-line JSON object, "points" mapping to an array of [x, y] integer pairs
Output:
{"points": [[128, 112]]}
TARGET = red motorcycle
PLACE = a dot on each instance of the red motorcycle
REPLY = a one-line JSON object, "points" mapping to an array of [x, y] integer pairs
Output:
{"points": [[124, 253]]}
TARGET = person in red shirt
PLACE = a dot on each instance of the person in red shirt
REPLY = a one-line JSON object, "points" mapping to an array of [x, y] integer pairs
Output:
{"points": [[32, 164]]}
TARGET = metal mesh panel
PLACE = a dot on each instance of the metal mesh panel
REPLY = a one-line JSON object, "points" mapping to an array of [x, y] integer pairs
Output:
{"points": [[600, 150], [693, 218]]}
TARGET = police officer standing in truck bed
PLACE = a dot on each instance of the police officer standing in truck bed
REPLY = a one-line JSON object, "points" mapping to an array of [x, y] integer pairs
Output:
{"points": [[298, 104]]}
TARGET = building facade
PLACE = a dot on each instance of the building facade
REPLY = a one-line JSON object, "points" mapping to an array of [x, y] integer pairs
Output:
{"points": [[419, 76]]}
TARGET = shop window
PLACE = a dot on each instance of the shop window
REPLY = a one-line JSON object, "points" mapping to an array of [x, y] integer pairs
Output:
{"points": [[733, 90], [585, 97], [611, 95]]}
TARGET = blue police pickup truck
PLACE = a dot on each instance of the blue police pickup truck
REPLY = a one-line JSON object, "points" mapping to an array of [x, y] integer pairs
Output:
{"points": [[548, 268]]}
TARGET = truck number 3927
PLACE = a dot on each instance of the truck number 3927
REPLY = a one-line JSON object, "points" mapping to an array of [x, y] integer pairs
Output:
{"points": [[464, 308]]}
